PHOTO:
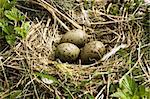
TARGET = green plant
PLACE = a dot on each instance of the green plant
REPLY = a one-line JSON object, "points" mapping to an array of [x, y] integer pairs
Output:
{"points": [[88, 96], [129, 5], [129, 89], [132, 5], [12, 22], [48, 79]]}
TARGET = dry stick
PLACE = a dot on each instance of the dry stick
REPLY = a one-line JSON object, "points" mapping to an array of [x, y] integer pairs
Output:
{"points": [[109, 22], [148, 68], [26, 85], [14, 67], [10, 66], [108, 85], [137, 9], [36, 93], [32, 30], [53, 13], [141, 63], [46, 29], [85, 15], [98, 95], [108, 15], [144, 70], [3, 69], [26, 8], [71, 21]]}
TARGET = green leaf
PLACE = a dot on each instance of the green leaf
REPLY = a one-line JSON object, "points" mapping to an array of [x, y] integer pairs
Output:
{"points": [[129, 84], [7, 4], [8, 29], [2, 3], [120, 94], [49, 77], [1, 13], [135, 97], [10, 39], [26, 26], [14, 94], [57, 96], [148, 93], [23, 30], [90, 96], [142, 91], [14, 14], [130, 90], [1, 24]]}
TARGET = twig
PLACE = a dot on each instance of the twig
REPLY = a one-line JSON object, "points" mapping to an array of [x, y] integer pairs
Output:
{"points": [[117, 21], [108, 85], [5, 76], [71, 21], [98, 95], [28, 8], [46, 6]]}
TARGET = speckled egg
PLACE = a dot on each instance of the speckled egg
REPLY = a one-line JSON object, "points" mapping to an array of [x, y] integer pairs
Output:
{"points": [[92, 51], [67, 52], [76, 36]]}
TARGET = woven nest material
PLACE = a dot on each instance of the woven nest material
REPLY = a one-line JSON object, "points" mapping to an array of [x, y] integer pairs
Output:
{"points": [[38, 50]]}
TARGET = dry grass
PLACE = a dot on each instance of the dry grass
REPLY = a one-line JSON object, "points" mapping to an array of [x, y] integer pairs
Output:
{"points": [[35, 54]]}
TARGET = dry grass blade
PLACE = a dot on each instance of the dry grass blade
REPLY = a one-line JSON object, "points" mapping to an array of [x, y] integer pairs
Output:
{"points": [[54, 11]]}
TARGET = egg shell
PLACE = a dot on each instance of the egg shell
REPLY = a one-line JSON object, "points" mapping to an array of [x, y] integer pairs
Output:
{"points": [[67, 52], [76, 36], [92, 51]]}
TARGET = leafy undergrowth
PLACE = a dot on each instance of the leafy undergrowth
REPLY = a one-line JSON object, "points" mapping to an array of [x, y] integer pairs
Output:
{"points": [[29, 69]]}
